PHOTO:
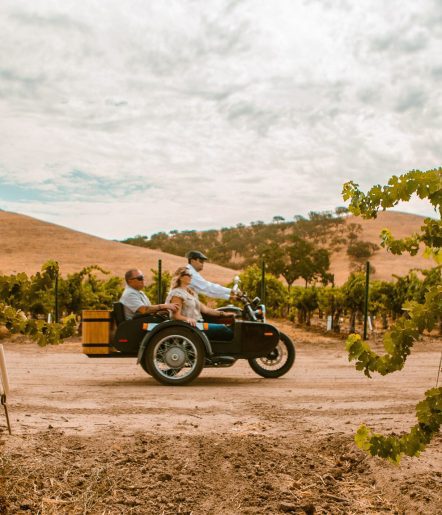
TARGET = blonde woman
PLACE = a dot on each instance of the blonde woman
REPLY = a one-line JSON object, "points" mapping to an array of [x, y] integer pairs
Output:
{"points": [[190, 309]]}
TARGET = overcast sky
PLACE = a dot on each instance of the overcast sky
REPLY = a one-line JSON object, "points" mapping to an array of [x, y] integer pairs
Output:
{"points": [[124, 118]]}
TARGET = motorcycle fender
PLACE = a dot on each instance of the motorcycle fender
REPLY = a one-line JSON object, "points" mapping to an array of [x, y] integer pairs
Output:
{"points": [[172, 323], [258, 339]]}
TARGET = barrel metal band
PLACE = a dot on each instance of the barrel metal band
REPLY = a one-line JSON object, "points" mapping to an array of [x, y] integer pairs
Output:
{"points": [[96, 345]]}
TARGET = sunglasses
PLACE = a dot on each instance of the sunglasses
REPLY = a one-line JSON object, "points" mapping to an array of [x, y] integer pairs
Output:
{"points": [[186, 273], [138, 277]]}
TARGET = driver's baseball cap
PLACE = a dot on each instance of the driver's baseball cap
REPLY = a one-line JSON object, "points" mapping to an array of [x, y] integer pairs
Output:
{"points": [[196, 254]]}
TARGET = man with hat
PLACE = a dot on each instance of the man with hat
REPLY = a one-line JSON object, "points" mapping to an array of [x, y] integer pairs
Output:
{"points": [[195, 264]]}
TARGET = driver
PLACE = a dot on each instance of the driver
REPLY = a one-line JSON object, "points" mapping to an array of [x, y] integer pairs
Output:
{"points": [[195, 264]]}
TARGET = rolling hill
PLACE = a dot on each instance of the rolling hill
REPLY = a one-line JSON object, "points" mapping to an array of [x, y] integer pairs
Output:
{"points": [[234, 246], [26, 243], [385, 263]]}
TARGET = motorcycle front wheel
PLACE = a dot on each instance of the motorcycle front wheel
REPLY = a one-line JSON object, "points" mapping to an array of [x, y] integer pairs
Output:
{"points": [[278, 362]]}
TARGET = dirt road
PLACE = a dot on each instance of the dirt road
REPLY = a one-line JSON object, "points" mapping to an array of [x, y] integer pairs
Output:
{"points": [[101, 436]]}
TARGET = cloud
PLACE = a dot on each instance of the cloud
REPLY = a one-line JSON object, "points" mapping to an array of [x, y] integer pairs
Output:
{"points": [[56, 21], [204, 114], [401, 42], [411, 99]]}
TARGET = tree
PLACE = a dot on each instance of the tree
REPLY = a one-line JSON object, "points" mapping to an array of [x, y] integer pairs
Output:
{"points": [[276, 292], [307, 261], [242, 246], [300, 259], [419, 317], [138, 240], [325, 228], [359, 251]]}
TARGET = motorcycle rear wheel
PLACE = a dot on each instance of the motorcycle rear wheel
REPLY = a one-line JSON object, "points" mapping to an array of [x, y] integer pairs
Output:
{"points": [[278, 362]]}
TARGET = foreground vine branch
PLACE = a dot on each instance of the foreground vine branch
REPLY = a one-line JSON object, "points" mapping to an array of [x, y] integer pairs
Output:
{"points": [[418, 318]]}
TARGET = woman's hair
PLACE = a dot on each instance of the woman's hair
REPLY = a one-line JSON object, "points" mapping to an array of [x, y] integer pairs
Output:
{"points": [[176, 279]]}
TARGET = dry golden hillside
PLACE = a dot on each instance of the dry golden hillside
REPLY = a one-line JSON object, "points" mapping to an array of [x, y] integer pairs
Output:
{"points": [[385, 264], [26, 243]]}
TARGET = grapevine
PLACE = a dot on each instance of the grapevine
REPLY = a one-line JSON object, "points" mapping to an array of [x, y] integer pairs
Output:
{"points": [[399, 341], [42, 332], [429, 416], [426, 185]]}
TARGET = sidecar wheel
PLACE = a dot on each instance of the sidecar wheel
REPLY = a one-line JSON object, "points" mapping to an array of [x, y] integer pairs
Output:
{"points": [[278, 362], [175, 356]]}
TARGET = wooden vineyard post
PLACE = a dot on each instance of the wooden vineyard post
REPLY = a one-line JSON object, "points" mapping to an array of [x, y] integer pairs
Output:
{"points": [[367, 286], [56, 297], [4, 386], [160, 283], [263, 282]]}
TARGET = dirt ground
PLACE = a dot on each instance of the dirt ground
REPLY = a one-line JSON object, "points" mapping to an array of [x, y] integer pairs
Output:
{"points": [[101, 436]]}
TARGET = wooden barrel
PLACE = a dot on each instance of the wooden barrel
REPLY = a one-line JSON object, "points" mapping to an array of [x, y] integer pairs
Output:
{"points": [[96, 326]]}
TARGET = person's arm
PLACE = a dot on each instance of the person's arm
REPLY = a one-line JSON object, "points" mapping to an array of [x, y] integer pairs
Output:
{"points": [[146, 310], [215, 313], [177, 315], [200, 285]]}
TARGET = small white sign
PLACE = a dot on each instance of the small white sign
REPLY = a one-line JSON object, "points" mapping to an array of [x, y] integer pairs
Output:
{"points": [[329, 323]]}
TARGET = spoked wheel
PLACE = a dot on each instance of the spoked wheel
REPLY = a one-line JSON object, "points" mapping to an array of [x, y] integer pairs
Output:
{"points": [[278, 362], [175, 356]]}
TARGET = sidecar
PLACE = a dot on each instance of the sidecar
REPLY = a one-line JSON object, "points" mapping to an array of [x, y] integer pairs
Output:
{"points": [[174, 353]]}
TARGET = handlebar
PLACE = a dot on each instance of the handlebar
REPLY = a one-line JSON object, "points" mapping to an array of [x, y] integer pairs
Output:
{"points": [[249, 305]]}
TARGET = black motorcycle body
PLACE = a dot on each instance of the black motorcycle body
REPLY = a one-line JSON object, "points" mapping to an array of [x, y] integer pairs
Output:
{"points": [[174, 352]]}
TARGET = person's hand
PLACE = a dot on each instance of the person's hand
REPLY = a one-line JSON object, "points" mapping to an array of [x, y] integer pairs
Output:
{"points": [[235, 294], [225, 314], [191, 321], [171, 307]]}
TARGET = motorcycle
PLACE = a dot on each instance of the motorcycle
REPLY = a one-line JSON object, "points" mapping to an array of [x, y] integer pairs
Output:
{"points": [[174, 352]]}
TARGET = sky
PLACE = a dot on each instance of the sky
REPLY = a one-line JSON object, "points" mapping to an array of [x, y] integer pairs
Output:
{"points": [[126, 118]]}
